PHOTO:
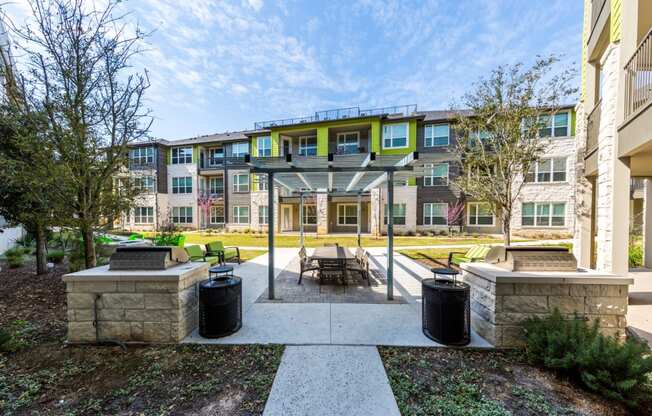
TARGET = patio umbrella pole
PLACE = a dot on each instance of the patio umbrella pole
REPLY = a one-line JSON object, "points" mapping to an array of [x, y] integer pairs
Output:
{"points": [[301, 218], [270, 234], [390, 235]]}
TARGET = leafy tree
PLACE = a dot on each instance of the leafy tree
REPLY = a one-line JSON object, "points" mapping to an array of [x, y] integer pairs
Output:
{"points": [[499, 137], [79, 62]]}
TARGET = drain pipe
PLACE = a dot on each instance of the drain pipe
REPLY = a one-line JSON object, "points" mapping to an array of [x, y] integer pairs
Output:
{"points": [[107, 341]]}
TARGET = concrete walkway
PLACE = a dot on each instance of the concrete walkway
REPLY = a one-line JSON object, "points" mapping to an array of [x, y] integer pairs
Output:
{"points": [[331, 380], [639, 311]]}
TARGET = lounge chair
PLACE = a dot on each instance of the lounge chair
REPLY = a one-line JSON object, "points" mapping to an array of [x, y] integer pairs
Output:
{"points": [[475, 253], [216, 248], [197, 254], [306, 264]]}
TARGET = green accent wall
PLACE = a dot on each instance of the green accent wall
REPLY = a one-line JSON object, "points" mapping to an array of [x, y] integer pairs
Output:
{"points": [[168, 156], [276, 145], [195, 154], [412, 181], [375, 136], [412, 141], [573, 120], [322, 141], [253, 146]]}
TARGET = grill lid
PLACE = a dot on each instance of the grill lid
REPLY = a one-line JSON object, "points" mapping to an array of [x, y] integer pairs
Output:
{"points": [[147, 258], [533, 259]]}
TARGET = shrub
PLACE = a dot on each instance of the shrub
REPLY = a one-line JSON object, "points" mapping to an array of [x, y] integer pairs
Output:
{"points": [[619, 371], [56, 256], [169, 236], [15, 256], [102, 239], [635, 255], [136, 236]]}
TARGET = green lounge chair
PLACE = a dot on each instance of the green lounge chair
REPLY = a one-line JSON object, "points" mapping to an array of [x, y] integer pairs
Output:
{"points": [[196, 254], [216, 248], [475, 253]]}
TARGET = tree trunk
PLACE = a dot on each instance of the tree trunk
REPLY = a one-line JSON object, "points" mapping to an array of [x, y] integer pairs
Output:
{"points": [[89, 246], [41, 250], [507, 231]]}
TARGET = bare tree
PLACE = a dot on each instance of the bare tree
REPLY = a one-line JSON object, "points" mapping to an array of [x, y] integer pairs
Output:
{"points": [[80, 67], [499, 138]]}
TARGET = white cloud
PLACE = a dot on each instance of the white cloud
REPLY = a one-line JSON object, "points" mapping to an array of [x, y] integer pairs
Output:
{"points": [[255, 4]]}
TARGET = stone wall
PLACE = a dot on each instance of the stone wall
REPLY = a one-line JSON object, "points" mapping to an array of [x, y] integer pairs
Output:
{"points": [[500, 302], [139, 306]]}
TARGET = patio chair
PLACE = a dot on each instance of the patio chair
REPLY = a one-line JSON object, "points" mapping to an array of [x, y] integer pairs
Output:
{"points": [[197, 254], [475, 253], [360, 265], [306, 264], [216, 248], [330, 267]]}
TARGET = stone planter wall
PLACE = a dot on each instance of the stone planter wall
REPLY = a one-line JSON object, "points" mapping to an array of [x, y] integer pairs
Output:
{"points": [[502, 300], [138, 306]]}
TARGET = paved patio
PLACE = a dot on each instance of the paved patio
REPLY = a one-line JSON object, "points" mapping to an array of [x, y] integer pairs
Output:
{"points": [[639, 311]]}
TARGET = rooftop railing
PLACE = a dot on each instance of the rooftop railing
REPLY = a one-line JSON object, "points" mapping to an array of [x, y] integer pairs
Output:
{"points": [[338, 114], [638, 77]]}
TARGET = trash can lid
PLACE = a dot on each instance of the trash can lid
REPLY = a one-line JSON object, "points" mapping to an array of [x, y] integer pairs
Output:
{"points": [[218, 283], [444, 284]]}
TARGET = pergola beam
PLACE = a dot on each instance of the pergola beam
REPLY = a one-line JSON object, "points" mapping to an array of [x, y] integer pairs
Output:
{"points": [[283, 184], [356, 178], [330, 181], [304, 180]]}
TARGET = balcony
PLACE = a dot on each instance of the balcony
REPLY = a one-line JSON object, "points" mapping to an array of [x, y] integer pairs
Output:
{"points": [[338, 114], [600, 12], [638, 78], [141, 165], [592, 130]]}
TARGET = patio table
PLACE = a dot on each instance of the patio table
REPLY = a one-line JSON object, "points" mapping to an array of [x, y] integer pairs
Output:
{"points": [[339, 255]]}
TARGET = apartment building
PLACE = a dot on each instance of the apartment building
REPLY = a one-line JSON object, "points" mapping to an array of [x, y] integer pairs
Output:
{"points": [[614, 131], [203, 182]]}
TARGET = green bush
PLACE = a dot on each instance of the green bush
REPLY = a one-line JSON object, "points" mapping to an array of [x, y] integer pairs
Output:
{"points": [[619, 371], [14, 256], [635, 255], [102, 239], [56, 256], [136, 236]]}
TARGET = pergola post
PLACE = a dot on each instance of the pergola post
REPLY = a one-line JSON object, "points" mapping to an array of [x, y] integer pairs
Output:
{"points": [[270, 234], [359, 217], [390, 235], [301, 218]]}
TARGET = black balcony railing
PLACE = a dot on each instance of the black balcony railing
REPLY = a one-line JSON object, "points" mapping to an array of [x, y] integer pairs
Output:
{"points": [[638, 77], [338, 114], [141, 165]]}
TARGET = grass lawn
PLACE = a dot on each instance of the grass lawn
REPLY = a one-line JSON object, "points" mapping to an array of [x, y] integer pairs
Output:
{"points": [[464, 382], [260, 240], [46, 377], [251, 254]]}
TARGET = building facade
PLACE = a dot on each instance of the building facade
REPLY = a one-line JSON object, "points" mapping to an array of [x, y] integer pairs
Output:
{"points": [[203, 182], [614, 136]]}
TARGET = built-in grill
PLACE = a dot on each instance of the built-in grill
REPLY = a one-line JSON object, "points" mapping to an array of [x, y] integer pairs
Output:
{"points": [[533, 259], [147, 258]]}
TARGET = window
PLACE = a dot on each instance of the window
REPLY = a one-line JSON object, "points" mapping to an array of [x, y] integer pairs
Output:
{"points": [[182, 185], [262, 215], [144, 215], [264, 146], [182, 215], [436, 135], [262, 182], [217, 215], [241, 182], [181, 155], [310, 215], [395, 136], [216, 185], [239, 149], [215, 156], [547, 170], [348, 143], [435, 213], [145, 183], [399, 214], [241, 215], [347, 214], [543, 214], [141, 156], [435, 174], [307, 146], [479, 214], [554, 126]]}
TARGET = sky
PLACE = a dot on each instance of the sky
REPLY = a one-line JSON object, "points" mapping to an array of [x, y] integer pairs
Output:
{"points": [[218, 66]]}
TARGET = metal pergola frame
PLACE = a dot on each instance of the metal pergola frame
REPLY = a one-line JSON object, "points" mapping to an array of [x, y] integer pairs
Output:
{"points": [[349, 174]]}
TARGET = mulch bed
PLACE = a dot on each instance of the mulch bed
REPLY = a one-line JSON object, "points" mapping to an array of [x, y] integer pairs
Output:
{"points": [[455, 382], [47, 377]]}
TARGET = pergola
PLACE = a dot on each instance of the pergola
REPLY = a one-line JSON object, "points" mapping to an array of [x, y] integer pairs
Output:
{"points": [[352, 174]]}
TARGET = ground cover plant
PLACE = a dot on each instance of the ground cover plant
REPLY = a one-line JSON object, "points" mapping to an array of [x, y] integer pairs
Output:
{"points": [[465, 382], [39, 375]]}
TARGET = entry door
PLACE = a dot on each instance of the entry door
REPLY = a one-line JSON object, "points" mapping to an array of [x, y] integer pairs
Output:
{"points": [[286, 147], [286, 222]]}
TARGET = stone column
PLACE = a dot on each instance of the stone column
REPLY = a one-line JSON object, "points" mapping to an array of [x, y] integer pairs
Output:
{"points": [[321, 201], [584, 189], [373, 212], [647, 223], [613, 176]]}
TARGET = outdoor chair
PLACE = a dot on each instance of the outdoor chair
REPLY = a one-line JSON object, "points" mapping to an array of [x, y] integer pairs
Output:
{"points": [[474, 254], [216, 248], [330, 267], [197, 254], [306, 264], [360, 265]]}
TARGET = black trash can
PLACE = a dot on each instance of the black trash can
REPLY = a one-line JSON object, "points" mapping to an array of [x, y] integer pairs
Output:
{"points": [[446, 311], [220, 307]]}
